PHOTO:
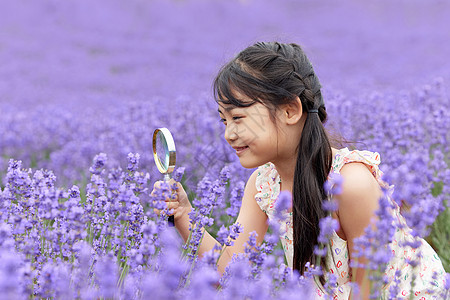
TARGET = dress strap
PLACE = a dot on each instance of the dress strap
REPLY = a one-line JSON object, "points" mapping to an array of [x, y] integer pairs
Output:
{"points": [[268, 187]]}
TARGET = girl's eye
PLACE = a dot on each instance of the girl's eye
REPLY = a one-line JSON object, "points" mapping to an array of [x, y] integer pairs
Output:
{"points": [[222, 120]]}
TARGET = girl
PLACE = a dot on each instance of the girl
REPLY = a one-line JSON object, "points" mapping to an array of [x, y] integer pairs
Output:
{"points": [[270, 101]]}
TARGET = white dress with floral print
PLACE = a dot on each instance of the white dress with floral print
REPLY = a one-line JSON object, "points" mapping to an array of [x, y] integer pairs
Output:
{"points": [[268, 187]]}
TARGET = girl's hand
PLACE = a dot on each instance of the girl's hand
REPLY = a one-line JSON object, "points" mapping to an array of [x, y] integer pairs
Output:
{"points": [[178, 203]]}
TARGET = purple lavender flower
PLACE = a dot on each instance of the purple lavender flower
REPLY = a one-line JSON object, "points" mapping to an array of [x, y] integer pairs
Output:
{"points": [[133, 161], [106, 275], [330, 205], [375, 244], [255, 253], [333, 186], [6, 238], [174, 269], [224, 175], [98, 164], [446, 290], [158, 199], [235, 230], [74, 192], [211, 257], [11, 280], [203, 284], [227, 236], [394, 289], [283, 203], [328, 226], [54, 281], [178, 174], [236, 200], [331, 284], [320, 251], [222, 235], [237, 271]]}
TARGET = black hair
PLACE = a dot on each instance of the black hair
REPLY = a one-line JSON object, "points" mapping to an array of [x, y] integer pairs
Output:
{"points": [[275, 74]]}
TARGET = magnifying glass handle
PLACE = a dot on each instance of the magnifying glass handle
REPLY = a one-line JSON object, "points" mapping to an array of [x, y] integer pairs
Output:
{"points": [[171, 219]]}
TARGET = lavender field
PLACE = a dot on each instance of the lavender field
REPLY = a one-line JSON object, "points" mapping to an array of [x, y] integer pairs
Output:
{"points": [[83, 85]]}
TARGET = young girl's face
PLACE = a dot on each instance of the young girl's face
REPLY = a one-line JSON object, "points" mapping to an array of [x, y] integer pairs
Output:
{"points": [[251, 132]]}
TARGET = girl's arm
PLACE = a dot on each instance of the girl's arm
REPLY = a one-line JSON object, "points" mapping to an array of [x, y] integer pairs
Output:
{"points": [[251, 217], [357, 205]]}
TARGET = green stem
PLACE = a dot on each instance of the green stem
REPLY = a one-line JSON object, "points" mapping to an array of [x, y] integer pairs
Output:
{"points": [[91, 233], [414, 277], [123, 274], [316, 278], [42, 242], [60, 251], [187, 242], [119, 255], [221, 252]]}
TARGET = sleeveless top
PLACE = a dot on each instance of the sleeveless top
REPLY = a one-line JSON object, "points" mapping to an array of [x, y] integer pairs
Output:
{"points": [[337, 261]]}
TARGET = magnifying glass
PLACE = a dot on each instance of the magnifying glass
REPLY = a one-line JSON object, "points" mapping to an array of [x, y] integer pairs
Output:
{"points": [[164, 154]]}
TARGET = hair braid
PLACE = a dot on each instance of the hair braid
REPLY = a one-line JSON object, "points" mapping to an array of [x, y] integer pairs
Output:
{"points": [[313, 165]]}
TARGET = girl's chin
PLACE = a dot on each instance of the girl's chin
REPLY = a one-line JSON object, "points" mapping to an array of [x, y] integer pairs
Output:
{"points": [[249, 165]]}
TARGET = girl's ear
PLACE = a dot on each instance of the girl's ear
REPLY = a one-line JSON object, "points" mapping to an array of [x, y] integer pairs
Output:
{"points": [[293, 111]]}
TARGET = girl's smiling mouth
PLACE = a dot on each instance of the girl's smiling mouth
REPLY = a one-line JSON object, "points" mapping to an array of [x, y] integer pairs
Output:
{"points": [[239, 150]]}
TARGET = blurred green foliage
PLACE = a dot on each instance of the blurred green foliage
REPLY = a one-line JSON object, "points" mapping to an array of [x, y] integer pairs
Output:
{"points": [[439, 237]]}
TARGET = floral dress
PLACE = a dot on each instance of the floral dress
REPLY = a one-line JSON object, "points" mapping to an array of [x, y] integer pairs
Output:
{"points": [[268, 187]]}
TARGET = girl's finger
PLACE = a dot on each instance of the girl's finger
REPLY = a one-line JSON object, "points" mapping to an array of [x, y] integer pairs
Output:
{"points": [[173, 193], [173, 205], [168, 212], [157, 184], [171, 198]]}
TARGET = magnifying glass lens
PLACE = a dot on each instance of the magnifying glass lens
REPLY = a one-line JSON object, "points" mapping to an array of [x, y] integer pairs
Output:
{"points": [[162, 150]]}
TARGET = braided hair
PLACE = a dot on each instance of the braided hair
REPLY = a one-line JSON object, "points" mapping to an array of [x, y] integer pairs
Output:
{"points": [[275, 74]]}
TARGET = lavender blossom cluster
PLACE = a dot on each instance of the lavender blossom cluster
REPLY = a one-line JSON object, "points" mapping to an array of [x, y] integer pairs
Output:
{"points": [[109, 243]]}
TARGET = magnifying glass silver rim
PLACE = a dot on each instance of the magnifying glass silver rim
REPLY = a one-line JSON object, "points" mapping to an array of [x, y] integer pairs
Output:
{"points": [[171, 148]]}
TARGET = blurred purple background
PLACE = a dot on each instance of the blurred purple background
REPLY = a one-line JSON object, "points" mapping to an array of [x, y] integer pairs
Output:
{"points": [[102, 52]]}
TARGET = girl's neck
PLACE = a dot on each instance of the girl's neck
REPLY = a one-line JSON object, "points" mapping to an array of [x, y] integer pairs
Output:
{"points": [[286, 170]]}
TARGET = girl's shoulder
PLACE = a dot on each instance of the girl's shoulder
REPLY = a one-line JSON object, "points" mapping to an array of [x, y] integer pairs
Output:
{"points": [[370, 159], [360, 190]]}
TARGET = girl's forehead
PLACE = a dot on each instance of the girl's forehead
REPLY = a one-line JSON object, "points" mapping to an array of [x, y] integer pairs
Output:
{"points": [[234, 95], [227, 108]]}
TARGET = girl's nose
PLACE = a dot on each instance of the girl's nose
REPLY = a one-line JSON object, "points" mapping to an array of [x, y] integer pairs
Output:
{"points": [[230, 133]]}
